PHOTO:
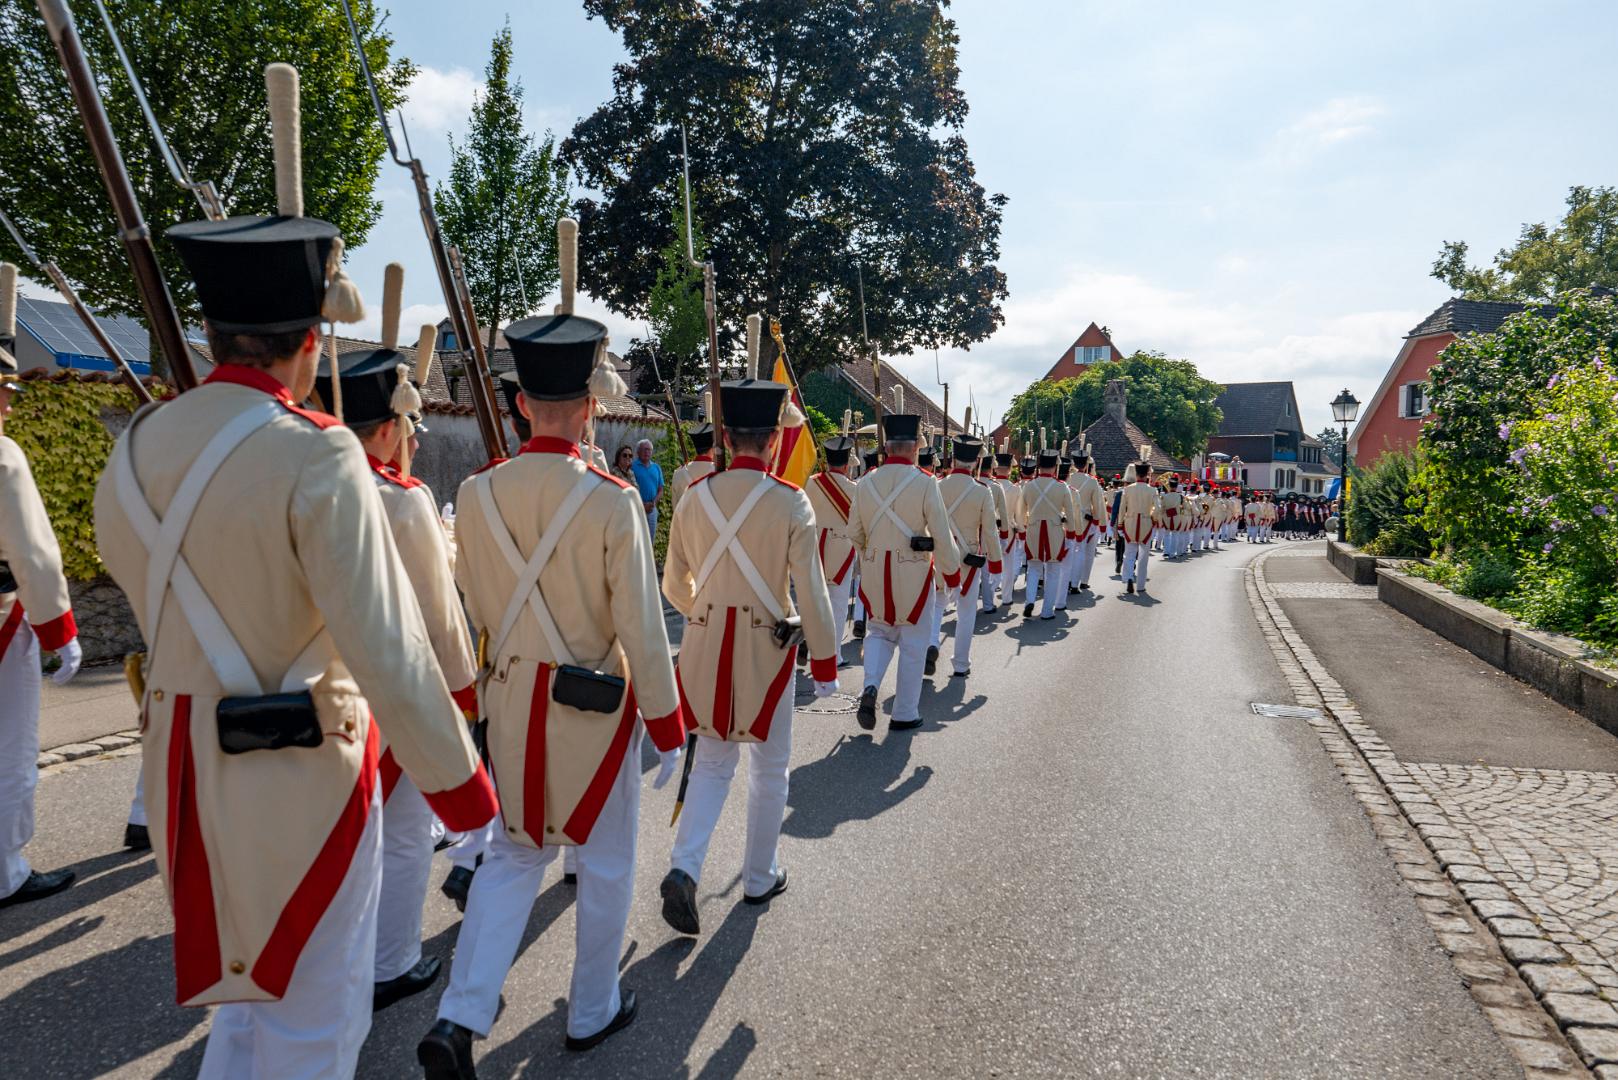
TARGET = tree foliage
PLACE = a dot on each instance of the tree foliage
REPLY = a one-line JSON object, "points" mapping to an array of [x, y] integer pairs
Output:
{"points": [[1381, 516], [819, 132], [1545, 262], [505, 189], [201, 65], [1332, 448], [1168, 400], [676, 316]]}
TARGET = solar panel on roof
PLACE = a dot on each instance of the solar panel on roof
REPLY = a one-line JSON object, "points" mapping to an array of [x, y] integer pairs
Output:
{"points": [[60, 331]]}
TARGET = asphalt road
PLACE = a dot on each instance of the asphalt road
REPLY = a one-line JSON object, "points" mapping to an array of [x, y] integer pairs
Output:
{"points": [[1093, 860]]}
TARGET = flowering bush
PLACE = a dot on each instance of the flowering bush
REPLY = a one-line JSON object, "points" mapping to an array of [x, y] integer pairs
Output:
{"points": [[1564, 495]]}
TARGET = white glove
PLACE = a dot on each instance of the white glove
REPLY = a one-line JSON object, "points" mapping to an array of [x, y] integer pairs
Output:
{"points": [[668, 762], [825, 689], [72, 656]]}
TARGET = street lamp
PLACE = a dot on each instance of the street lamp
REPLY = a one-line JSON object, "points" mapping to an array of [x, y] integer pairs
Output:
{"points": [[1345, 407]]}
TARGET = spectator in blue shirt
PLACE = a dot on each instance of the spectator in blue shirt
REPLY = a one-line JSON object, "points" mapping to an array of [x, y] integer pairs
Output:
{"points": [[649, 479]]}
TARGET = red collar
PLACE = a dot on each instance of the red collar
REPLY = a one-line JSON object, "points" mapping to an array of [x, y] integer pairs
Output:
{"points": [[549, 444], [960, 472], [704, 457], [897, 460], [378, 465], [756, 464], [257, 378]]}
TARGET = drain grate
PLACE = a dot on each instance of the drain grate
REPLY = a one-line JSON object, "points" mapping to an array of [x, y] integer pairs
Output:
{"points": [[1286, 712]]}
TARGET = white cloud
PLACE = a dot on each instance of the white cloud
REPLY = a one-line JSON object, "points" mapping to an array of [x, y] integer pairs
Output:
{"points": [[1339, 120], [438, 101], [1228, 342]]}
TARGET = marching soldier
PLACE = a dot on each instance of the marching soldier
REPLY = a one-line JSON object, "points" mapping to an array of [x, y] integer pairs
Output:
{"points": [[556, 565], [1092, 519], [379, 401], [695, 469], [738, 548], [35, 614], [969, 505], [252, 542], [1138, 517], [1046, 503], [1252, 510], [1174, 514], [871, 460], [902, 532], [831, 496], [1006, 504]]}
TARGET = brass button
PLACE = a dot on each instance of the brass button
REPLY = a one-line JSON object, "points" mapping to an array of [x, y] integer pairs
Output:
{"points": [[157, 695], [348, 726], [237, 967], [554, 665], [550, 828]]}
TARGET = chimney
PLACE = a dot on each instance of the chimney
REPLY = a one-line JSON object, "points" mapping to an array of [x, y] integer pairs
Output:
{"points": [[1116, 399]]}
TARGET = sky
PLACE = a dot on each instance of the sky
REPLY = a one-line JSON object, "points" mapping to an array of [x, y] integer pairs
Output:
{"points": [[1260, 188]]}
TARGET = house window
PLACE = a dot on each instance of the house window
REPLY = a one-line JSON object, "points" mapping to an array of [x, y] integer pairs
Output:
{"points": [[1286, 407], [1092, 354], [1413, 400], [447, 342]]}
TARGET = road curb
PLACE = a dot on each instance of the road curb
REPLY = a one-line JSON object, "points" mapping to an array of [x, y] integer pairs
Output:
{"points": [[104, 744], [1521, 980]]}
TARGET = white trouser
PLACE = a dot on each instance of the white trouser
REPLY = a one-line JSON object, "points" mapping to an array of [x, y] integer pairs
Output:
{"points": [[966, 619], [318, 1027], [1049, 575], [839, 613], [19, 754], [1136, 558], [711, 773], [859, 610], [910, 640], [407, 863], [1014, 566], [1084, 560], [502, 898], [472, 844], [137, 805], [935, 613]]}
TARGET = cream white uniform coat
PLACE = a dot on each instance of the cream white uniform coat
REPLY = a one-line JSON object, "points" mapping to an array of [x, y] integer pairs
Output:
{"points": [[971, 507], [831, 497], [688, 474]]}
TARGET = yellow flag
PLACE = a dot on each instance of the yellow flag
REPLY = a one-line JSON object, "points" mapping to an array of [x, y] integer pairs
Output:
{"points": [[795, 457]]}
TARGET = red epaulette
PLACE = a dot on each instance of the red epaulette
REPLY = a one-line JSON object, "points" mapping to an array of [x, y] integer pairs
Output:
{"points": [[698, 480], [784, 482], [491, 463], [607, 475], [392, 475], [314, 416]]}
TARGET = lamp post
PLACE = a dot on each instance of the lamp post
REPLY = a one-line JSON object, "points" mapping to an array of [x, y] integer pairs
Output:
{"points": [[1345, 407]]}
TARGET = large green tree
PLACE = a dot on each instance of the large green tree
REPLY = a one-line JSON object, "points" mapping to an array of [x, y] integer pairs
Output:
{"points": [[675, 314], [505, 189], [820, 132], [201, 64], [1168, 399], [1545, 261]]}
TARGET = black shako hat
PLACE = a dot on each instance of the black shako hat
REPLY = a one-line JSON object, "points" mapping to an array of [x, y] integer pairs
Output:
{"points": [[752, 405], [1081, 461], [837, 450], [924, 456], [900, 427], [1004, 461], [702, 438], [1028, 463], [369, 378], [1064, 468], [1048, 459], [257, 275], [872, 459], [967, 449], [511, 388], [555, 354]]}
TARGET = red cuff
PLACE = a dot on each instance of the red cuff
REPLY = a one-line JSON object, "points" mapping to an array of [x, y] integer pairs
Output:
{"points": [[823, 670], [953, 580], [995, 567], [56, 633], [466, 699], [468, 807], [667, 732]]}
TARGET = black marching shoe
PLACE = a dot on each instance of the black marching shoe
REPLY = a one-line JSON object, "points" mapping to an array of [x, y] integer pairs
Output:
{"points": [[1073, 590], [1085, 585], [446, 1052], [626, 1016], [932, 660], [457, 886], [679, 903], [904, 725], [960, 674], [859, 628], [137, 837], [773, 891], [1129, 587], [414, 981], [38, 886], [867, 710], [569, 879], [1028, 611]]}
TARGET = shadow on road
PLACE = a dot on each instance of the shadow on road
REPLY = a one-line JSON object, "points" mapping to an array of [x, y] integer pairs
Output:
{"points": [[99, 877], [858, 780], [944, 700]]}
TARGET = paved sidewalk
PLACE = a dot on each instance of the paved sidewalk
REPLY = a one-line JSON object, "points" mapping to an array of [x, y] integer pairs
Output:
{"points": [[95, 703], [1515, 796]]}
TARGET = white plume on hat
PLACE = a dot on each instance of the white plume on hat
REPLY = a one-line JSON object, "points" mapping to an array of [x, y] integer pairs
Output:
{"points": [[1129, 474], [899, 398], [567, 261], [755, 329], [8, 313]]}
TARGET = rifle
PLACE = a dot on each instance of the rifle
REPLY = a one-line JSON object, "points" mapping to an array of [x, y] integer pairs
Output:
{"points": [[451, 282], [52, 271], [668, 394], [876, 364], [716, 408], [155, 300]]}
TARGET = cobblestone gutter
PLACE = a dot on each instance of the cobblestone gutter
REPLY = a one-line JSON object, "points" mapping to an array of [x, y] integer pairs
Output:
{"points": [[1499, 899]]}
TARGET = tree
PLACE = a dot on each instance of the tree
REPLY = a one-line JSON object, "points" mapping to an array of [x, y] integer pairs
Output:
{"points": [[819, 132], [1168, 400], [200, 63], [505, 190], [675, 310], [1332, 451], [1545, 262]]}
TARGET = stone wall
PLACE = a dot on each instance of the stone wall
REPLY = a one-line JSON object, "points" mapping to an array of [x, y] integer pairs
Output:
{"points": [[107, 629]]}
